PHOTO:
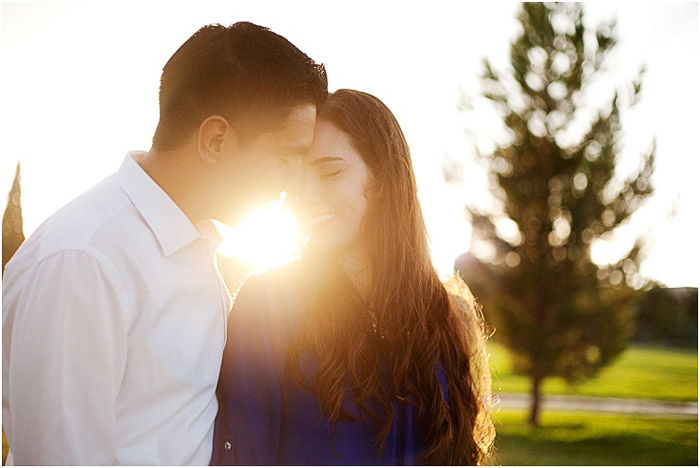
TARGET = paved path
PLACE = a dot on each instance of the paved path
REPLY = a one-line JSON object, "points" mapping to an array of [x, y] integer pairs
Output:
{"points": [[671, 409]]}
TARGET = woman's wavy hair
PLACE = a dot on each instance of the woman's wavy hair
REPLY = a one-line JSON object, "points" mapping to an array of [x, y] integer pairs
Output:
{"points": [[420, 324]]}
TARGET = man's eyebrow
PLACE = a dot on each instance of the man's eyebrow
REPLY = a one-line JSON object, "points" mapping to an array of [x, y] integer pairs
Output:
{"points": [[295, 150], [327, 159]]}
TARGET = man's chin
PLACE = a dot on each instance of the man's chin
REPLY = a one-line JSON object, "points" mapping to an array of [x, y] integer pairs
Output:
{"points": [[230, 218], [234, 218], [230, 221]]}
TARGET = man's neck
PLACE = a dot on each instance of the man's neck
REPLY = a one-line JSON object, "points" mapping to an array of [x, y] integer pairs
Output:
{"points": [[173, 173]]}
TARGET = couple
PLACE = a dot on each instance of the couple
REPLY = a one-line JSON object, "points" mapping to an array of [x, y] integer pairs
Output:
{"points": [[120, 346]]}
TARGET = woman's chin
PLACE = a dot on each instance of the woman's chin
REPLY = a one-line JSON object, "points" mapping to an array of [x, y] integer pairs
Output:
{"points": [[325, 245], [321, 247]]}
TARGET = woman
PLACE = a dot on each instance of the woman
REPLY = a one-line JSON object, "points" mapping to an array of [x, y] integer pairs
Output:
{"points": [[357, 354]]}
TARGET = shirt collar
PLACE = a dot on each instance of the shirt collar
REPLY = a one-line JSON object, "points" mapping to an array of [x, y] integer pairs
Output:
{"points": [[169, 224]]}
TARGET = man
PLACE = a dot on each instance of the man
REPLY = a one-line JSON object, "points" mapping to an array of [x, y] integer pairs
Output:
{"points": [[113, 311]]}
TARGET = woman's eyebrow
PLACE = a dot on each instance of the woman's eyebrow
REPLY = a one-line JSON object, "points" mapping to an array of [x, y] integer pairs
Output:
{"points": [[327, 159]]}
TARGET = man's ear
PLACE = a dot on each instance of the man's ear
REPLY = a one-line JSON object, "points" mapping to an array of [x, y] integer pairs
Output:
{"points": [[215, 137]]}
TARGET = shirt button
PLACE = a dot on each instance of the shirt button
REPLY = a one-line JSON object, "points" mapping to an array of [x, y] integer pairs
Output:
{"points": [[227, 445]]}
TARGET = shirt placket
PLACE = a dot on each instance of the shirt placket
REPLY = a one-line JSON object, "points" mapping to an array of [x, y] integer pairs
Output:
{"points": [[224, 297]]}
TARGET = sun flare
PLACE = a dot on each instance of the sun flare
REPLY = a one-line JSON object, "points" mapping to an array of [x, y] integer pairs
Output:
{"points": [[266, 238]]}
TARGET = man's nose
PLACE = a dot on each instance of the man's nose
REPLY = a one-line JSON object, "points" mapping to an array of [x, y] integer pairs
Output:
{"points": [[292, 178]]}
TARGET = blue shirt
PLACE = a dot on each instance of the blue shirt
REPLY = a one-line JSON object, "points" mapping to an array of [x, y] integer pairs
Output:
{"points": [[266, 418]]}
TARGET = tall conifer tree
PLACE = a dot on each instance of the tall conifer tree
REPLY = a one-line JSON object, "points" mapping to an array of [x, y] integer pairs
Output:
{"points": [[558, 312], [12, 235]]}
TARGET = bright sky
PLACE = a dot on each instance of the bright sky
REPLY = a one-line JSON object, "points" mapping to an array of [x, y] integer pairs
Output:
{"points": [[79, 81]]}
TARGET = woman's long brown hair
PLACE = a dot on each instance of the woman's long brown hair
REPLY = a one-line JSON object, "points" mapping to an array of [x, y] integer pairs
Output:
{"points": [[419, 324]]}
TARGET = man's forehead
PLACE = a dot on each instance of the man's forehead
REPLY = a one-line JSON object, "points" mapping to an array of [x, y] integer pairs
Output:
{"points": [[296, 135], [302, 114]]}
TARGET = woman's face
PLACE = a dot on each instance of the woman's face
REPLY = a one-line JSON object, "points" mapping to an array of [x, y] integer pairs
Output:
{"points": [[333, 200]]}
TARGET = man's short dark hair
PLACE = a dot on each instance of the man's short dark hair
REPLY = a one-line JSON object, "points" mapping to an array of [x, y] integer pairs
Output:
{"points": [[243, 72]]}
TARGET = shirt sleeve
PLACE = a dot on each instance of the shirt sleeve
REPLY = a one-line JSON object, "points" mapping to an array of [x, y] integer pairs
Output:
{"points": [[66, 361], [247, 429]]}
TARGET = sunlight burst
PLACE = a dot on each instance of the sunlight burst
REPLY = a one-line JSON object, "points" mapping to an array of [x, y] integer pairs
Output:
{"points": [[266, 238]]}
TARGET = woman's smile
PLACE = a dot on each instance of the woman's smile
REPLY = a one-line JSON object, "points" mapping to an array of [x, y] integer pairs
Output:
{"points": [[321, 219]]}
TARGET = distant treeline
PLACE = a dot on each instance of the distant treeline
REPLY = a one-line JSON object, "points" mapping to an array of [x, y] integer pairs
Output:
{"points": [[667, 316]]}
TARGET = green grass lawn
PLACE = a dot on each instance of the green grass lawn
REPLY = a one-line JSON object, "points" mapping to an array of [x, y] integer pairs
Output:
{"points": [[592, 439], [595, 439], [657, 373]]}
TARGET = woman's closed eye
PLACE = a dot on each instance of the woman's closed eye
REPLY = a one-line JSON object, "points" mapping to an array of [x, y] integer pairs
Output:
{"points": [[328, 167], [330, 174]]}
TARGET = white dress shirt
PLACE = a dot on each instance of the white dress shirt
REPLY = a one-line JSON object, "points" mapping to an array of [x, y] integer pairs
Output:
{"points": [[113, 326]]}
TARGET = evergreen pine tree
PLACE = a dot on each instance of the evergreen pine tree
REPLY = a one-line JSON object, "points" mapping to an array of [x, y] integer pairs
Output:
{"points": [[558, 312], [12, 235]]}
